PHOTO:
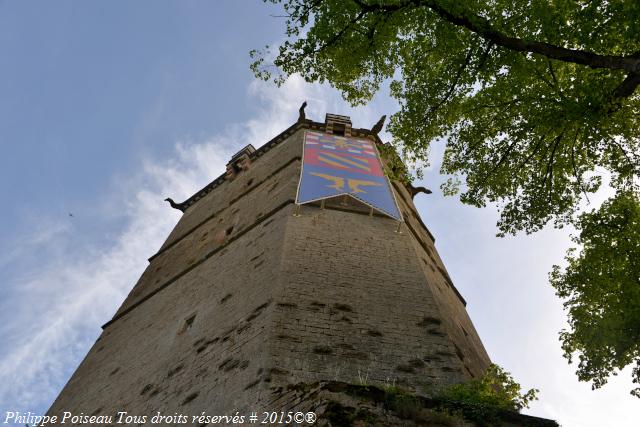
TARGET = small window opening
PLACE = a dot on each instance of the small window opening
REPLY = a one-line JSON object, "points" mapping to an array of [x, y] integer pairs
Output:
{"points": [[338, 130]]}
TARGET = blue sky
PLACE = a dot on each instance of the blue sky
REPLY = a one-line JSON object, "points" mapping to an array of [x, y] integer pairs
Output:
{"points": [[106, 108]]}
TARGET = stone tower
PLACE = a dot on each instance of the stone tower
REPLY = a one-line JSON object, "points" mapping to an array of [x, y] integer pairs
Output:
{"points": [[252, 293]]}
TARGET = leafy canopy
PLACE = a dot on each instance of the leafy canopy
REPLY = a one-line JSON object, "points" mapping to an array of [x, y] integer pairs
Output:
{"points": [[526, 130], [496, 389], [602, 288], [482, 400], [537, 100]]}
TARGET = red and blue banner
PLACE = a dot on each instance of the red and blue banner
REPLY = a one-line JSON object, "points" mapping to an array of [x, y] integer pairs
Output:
{"points": [[335, 165]]}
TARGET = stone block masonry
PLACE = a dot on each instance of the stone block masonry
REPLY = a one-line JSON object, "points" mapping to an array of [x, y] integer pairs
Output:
{"points": [[245, 299]]}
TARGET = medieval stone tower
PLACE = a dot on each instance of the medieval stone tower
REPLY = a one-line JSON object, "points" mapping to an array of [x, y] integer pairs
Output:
{"points": [[253, 292]]}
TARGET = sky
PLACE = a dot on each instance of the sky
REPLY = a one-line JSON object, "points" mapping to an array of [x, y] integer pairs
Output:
{"points": [[107, 108]]}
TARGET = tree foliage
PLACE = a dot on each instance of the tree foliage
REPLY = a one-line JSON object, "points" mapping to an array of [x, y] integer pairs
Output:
{"points": [[601, 286], [537, 100], [524, 129], [496, 389]]}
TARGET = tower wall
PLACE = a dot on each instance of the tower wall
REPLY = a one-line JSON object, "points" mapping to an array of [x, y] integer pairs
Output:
{"points": [[359, 305], [245, 297]]}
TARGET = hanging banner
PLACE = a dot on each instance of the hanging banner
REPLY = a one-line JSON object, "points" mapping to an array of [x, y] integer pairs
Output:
{"points": [[334, 165]]}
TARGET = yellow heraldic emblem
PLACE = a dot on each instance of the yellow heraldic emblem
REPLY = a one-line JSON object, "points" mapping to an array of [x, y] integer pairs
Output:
{"points": [[338, 182], [354, 184]]}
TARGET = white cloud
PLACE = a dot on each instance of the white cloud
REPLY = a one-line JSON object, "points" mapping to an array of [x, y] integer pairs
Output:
{"points": [[45, 232], [53, 314]]}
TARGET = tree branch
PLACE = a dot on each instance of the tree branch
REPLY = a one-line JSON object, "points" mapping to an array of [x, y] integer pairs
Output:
{"points": [[533, 151], [503, 157], [628, 86], [453, 85], [339, 33], [575, 169], [481, 26], [550, 164]]}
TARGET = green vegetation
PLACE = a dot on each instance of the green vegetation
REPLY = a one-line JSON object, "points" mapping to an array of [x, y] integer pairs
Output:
{"points": [[496, 390], [491, 400], [409, 406], [602, 288], [537, 101]]}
